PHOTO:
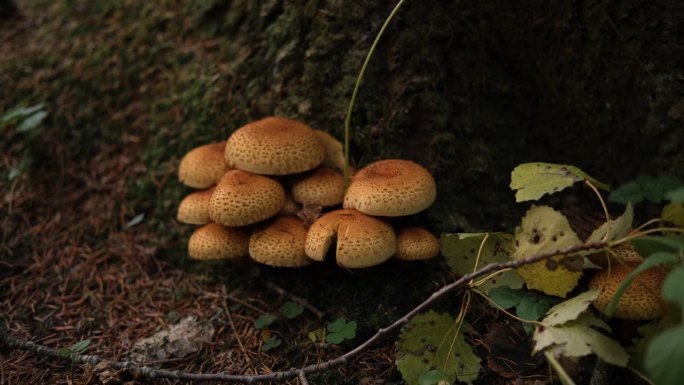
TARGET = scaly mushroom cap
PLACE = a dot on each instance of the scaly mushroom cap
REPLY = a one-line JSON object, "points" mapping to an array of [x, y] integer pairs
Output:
{"points": [[362, 241], [334, 150], [242, 198], [414, 243], [203, 166], [322, 187], [391, 187], [194, 208], [213, 241], [274, 146], [641, 301], [623, 253], [280, 243]]}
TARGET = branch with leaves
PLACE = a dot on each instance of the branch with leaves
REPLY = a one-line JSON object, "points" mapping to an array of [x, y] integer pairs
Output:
{"points": [[16, 343]]}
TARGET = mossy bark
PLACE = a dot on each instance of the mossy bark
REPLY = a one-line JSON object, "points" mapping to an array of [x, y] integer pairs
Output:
{"points": [[471, 89]]}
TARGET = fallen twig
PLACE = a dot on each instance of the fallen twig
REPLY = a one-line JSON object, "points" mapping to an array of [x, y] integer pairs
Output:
{"points": [[300, 373]]}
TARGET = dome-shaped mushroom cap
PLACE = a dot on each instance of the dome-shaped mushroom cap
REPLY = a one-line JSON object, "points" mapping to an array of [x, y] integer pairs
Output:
{"points": [[414, 243], [623, 253], [280, 243], [242, 198], [203, 166], [641, 301], [274, 146], [194, 208], [213, 241], [322, 187], [362, 241], [334, 150], [391, 187]]}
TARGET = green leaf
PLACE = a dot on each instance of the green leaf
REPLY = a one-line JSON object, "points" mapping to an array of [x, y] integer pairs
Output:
{"points": [[571, 309], [656, 259], [271, 343], [460, 251], [533, 180], [615, 228], [545, 230], [675, 196], [80, 346], [291, 310], [651, 244], [673, 213], [673, 287], [136, 220], [20, 112], [264, 320], [32, 121], [664, 357], [432, 377], [533, 307], [644, 188], [505, 297], [429, 342], [577, 338], [340, 330]]}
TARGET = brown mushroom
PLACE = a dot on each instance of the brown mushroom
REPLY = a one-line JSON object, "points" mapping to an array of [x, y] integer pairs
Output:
{"points": [[242, 198], [641, 301], [322, 187], [415, 243], [213, 241], [391, 187], [362, 241], [194, 208], [280, 243], [334, 150], [274, 146], [203, 166], [623, 253]]}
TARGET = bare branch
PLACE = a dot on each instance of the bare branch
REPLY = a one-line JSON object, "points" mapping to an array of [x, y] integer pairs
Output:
{"points": [[300, 373]]}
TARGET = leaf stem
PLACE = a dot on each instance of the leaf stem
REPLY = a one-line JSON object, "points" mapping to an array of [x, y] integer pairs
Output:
{"points": [[359, 78]]}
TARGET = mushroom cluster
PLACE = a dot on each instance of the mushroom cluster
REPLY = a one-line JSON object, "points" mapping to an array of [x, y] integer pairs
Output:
{"points": [[267, 193]]}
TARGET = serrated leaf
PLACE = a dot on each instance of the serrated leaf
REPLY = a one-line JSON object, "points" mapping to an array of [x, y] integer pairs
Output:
{"points": [[673, 213], [291, 310], [533, 180], [675, 196], [571, 309], [460, 251], [656, 259], [545, 230], [644, 188], [673, 287], [578, 339], [264, 320], [432, 377], [615, 228], [664, 357], [428, 342]]}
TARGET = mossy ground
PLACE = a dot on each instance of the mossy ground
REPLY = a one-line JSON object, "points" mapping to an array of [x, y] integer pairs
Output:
{"points": [[469, 89]]}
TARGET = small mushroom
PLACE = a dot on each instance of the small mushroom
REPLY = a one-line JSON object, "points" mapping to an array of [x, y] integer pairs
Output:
{"points": [[242, 198], [274, 146], [391, 187], [415, 243], [362, 241], [213, 241], [280, 243], [203, 166], [194, 208], [334, 150], [641, 301], [322, 187]]}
